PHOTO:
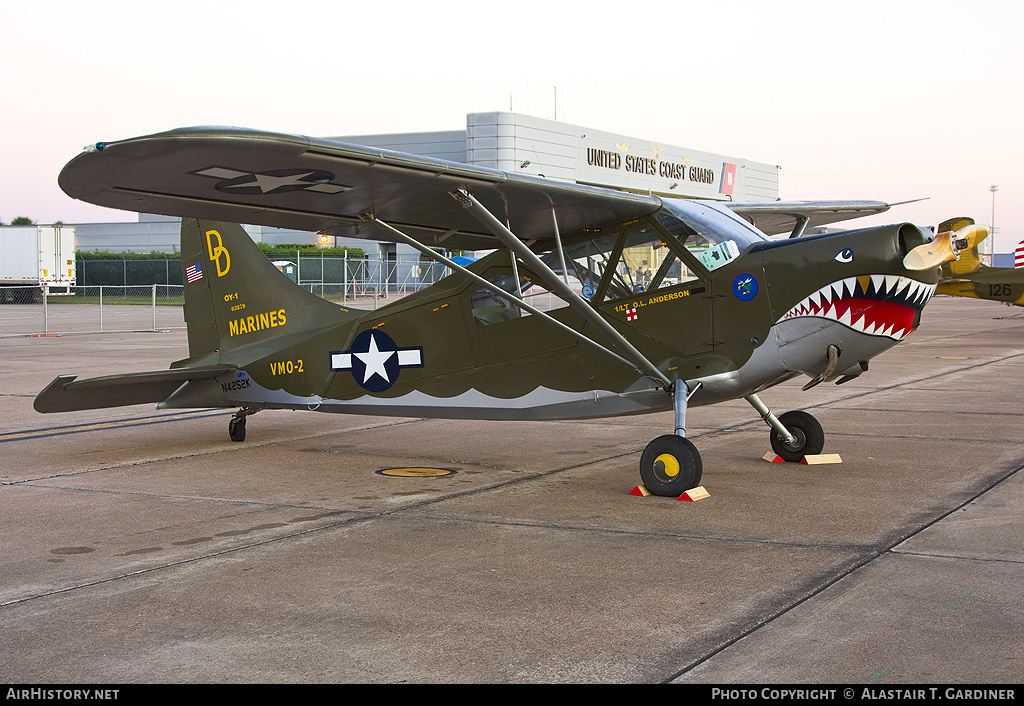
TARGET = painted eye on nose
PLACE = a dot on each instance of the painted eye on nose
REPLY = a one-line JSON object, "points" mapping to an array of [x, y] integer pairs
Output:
{"points": [[845, 256]]}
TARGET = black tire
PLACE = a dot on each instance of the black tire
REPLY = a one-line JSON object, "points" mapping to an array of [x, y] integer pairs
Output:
{"points": [[810, 438], [236, 429], [670, 465]]}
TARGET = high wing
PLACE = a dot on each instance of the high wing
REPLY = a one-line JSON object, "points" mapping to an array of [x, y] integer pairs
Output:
{"points": [[774, 217], [290, 181]]}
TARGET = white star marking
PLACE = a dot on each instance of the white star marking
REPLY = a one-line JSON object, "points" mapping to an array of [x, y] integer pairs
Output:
{"points": [[375, 360], [268, 183]]}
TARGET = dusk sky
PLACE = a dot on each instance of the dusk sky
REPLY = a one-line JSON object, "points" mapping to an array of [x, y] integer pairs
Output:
{"points": [[870, 100]]}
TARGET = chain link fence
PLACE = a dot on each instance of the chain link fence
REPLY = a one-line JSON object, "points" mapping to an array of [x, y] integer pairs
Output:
{"points": [[30, 311], [348, 276], [346, 279], [100, 308]]}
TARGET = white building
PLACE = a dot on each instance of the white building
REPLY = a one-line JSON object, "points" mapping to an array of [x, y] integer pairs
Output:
{"points": [[521, 144]]}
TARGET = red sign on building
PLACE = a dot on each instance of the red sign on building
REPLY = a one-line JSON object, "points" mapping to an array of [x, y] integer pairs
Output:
{"points": [[728, 178]]}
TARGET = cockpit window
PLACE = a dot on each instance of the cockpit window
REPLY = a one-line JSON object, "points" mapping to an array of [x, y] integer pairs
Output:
{"points": [[490, 308], [621, 262], [585, 263], [642, 257], [646, 263]]}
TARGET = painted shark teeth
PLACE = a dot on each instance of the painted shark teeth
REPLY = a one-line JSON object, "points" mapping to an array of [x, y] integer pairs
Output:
{"points": [[876, 305]]}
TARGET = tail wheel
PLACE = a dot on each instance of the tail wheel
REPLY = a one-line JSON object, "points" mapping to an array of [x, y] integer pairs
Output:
{"points": [[236, 428], [670, 465], [808, 436]]}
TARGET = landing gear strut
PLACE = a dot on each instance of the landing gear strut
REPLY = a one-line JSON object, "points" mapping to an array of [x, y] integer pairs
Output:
{"points": [[794, 434], [671, 465], [236, 427]]}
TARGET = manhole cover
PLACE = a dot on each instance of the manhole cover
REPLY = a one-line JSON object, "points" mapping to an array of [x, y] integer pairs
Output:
{"points": [[416, 472]]}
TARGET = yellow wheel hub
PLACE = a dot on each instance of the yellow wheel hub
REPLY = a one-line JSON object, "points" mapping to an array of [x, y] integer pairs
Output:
{"points": [[666, 466]]}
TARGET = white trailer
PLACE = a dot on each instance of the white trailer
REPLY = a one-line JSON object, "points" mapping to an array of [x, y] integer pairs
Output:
{"points": [[33, 258]]}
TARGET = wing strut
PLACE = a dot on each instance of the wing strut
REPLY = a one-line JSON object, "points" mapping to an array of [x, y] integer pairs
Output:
{"points": [[580, 305], [495, 289], [558, 244], [801, 225]]}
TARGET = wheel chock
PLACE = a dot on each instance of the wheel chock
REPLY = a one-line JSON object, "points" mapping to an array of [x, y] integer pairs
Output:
{"points": [[808, 460], [818, 459], [691, 495], [695, 494]]}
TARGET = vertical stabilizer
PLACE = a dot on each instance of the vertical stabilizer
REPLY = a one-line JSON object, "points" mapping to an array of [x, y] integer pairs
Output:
{"points": [[235, 296]]}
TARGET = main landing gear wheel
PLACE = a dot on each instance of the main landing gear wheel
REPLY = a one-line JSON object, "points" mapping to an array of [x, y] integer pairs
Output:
{"points": [[809, 439], [670, 465]]}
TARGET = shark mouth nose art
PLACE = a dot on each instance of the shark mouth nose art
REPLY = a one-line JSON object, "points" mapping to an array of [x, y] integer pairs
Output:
{"points": [[876, 305]]}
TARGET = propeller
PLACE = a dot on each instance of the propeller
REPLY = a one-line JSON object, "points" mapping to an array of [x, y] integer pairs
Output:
{"points": [[945, 248]]}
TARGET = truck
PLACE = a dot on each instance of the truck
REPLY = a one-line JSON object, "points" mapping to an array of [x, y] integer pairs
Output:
{"points": [[33, 258]]}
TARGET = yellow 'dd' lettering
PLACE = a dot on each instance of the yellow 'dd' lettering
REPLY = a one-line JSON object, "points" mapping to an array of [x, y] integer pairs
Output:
{"points": [[216, 251]]}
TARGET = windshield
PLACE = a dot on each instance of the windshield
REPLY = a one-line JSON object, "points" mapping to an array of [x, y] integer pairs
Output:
{"points": [[710, 231]]}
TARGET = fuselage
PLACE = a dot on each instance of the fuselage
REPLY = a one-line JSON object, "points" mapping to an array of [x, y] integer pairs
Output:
{"points": [[703, 296]]}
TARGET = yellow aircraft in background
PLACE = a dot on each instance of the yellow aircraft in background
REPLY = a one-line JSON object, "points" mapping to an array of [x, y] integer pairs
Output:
{"points": [[968, 277]]}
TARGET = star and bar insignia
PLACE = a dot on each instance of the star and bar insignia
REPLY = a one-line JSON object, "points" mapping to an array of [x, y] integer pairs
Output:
{"points": [[273, 181], [375, 360]]}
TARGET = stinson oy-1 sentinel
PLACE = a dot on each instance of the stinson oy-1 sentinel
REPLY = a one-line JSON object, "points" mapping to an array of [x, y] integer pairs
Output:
{"points": [[659, 304]]}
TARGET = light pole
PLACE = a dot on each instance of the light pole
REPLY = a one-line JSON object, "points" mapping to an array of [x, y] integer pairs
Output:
{"points": [[992, 236]]}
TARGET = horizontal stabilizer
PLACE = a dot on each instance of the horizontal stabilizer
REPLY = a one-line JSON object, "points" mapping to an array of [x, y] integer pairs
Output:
{"points": [[65, 394]]}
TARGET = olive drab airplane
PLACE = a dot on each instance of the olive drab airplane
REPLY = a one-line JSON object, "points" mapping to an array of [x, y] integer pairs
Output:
{"points": [[659, 304], [968, 277]]}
